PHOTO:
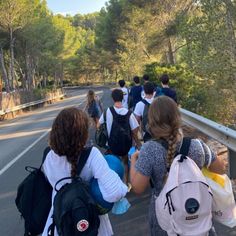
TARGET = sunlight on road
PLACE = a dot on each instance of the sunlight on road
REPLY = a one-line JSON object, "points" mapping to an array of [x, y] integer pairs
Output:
{"points": [[22, 134]]}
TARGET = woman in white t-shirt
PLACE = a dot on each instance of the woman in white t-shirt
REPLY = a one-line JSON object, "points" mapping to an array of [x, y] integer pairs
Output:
{"points": [[67, 139]]}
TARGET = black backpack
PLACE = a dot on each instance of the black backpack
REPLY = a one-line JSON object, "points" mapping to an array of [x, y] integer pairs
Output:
{"points": [[147, 135], [34, 199], [75, 213], [101, 135], [120, 140]]}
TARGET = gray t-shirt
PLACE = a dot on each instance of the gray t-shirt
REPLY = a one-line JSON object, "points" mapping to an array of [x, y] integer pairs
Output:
{"points": [[152, 163]]}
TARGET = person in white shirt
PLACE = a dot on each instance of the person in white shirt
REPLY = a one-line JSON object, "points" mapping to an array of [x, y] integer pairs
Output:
{"points": [[67, 139], [139, 110], [125, 93], [117, 97]]}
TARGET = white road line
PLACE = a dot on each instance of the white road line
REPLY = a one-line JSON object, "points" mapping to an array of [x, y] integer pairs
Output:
{"points": [[5, 168]]}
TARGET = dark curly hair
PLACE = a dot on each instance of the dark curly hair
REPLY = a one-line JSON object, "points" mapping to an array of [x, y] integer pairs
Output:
{"points": [[69, 135]]}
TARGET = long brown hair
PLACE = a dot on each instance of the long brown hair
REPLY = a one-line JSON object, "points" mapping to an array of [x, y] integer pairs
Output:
{"points": [[164, 122], [69, 135], [91, 97]]}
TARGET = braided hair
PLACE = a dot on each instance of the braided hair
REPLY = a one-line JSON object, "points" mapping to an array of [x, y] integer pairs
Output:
{"points": [[69, 135], [164, 122]]}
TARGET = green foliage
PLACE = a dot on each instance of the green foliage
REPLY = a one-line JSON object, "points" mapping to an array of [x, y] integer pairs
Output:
{"points": [[194, 42], [181, 79]]}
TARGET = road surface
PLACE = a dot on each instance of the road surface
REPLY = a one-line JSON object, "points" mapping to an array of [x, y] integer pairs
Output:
{"points": [[22, 141]]}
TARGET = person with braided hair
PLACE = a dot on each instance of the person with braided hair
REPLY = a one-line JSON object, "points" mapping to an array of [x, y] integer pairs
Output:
{"points": [[67, 140], [156, 155]]}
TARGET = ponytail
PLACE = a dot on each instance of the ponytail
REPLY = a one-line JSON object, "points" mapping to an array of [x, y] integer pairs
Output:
{"points": [[172, 141]]}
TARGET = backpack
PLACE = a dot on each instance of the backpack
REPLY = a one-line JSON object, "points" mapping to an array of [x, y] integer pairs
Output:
{"points": [[184, 206], [159, 92], [75, 212], [101, 135], [33, 200], [93, 109], [146, 135], [120, 140]]}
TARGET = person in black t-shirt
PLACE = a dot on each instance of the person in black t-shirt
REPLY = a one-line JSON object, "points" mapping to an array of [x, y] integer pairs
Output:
{"points": [[135, 93], [166, 90]]}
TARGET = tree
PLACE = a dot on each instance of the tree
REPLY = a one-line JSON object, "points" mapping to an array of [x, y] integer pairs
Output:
{"points": [[14, 15]]}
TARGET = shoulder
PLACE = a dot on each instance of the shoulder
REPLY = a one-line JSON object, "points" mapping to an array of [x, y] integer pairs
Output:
{"points": [[200, 152], [196, 144], [121, 111], [152, 148], [95, 156], [139, 108], [95, 152]]}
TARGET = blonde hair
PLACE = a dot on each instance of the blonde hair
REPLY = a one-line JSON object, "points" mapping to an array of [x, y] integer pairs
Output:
{"points": [[164, 122]]}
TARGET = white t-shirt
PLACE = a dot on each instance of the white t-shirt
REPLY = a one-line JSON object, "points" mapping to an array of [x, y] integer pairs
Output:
{"points": [[139, 108], [121, 111], [57, 167], [126, 95], [143, 94]]}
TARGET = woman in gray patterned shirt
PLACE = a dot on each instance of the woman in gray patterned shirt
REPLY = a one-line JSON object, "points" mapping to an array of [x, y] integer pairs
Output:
{"points": [[155, 156]]}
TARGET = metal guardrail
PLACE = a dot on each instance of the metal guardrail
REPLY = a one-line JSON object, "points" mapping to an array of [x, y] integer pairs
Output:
{"points": [[221, 133], [17, 108], [217, 131]]}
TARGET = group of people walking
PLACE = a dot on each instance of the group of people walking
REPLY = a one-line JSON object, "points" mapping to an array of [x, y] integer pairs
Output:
{"points": [[149, 119]]}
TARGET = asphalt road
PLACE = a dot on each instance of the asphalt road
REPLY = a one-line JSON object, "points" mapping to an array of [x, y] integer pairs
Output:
{"points": [[22, 141]]}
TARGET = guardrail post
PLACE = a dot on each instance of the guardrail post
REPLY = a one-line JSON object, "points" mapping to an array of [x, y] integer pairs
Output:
{"points": [[232, 163]]}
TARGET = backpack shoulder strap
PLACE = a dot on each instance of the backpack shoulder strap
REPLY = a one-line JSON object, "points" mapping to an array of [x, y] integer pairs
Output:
{"points": [[113, 112], [185, 146], [45, 152], [145, 102], [82, 159], [105, 116]]}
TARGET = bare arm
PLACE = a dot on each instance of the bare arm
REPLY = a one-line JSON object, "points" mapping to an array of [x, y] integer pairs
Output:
{"points": [[135, 137], [138, 118], [86, 107], [218, 166], [138, 181], [99, 103]]}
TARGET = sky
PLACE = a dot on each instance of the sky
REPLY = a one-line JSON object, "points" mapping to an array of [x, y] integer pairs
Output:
{"points": [[73, 7]]}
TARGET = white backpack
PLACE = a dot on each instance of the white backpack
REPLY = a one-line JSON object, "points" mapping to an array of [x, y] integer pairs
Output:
{"points": [[184, 206]]}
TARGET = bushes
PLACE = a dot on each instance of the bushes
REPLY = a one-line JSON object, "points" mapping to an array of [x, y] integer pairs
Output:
{"points": [[199, 95]]}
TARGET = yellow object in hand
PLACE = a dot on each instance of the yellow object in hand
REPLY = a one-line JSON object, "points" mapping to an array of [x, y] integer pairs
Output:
{"points": [[219, 179]]}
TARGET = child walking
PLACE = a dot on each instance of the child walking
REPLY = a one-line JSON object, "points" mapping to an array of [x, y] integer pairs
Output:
{"points": [[92, 106]]}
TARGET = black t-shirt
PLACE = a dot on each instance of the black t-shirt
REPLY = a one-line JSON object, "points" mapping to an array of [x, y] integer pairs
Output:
{"points": [[170, 93], [135, 93]]}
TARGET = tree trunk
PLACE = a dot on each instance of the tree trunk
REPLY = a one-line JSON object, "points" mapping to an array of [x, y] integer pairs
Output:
{"points": [[12, 74], [44, 81], [189, 53], [4, 72], [29, 72], [61, 75], [171, 58]]}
